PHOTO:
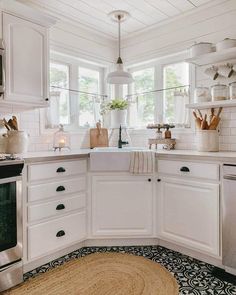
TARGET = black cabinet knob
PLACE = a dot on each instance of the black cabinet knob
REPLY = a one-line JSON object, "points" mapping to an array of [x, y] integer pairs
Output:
{"points": [[46, 99], [158, 179], [149, 179], [184, 169], [61, 233], [60, 188], [60, 207], [61, 170]]}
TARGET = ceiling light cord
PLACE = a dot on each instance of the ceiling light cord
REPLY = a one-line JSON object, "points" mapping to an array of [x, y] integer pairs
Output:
{"points": [[119, 60]]}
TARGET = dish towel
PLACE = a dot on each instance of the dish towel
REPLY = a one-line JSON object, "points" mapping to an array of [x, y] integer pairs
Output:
{"points": [[142, 162]]}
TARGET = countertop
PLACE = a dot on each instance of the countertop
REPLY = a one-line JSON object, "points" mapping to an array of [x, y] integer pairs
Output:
{"points": [[57, 155], [84, 153]]}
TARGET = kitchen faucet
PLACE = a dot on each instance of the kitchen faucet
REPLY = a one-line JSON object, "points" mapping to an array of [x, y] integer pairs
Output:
{"points": [[120, 142]]}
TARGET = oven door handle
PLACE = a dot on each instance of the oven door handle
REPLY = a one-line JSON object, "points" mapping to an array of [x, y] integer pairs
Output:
{"points": [[230, 177]]}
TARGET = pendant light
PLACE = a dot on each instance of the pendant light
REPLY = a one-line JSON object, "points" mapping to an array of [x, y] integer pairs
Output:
{"points": [[119, 76]]}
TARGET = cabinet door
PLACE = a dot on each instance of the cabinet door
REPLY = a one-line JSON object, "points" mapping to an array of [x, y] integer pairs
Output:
{"points": [[26, 49], [188, 214], [122, 206]]}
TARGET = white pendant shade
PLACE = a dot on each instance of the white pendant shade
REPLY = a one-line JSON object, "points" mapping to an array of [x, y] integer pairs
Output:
{"points": [[119, 76]]}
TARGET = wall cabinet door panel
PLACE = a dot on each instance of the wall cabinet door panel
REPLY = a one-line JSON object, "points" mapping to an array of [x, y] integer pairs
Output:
{"points": [[122, 206], [26, 47], [188, 214]]}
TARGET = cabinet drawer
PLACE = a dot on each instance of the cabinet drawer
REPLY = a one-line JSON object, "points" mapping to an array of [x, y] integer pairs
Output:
{"points": [[56, 189], [55, 208], [55, 234], [189, 169], [56, 170]]}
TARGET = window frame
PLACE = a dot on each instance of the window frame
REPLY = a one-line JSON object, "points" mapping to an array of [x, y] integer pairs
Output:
{"points": [[159, 66], [73, 64]]}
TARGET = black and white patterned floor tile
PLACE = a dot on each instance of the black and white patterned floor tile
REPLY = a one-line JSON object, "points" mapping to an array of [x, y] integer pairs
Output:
{"points": [[194, 276]]}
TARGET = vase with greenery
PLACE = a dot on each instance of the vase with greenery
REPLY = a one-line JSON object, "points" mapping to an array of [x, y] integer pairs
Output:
{"points": [[118, 110]]}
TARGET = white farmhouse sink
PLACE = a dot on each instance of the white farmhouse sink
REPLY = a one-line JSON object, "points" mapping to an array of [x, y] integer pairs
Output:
{"points": [[111, 159]]}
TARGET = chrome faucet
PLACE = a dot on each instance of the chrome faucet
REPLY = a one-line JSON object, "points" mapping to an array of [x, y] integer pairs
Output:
{"points": [[120, 142]]}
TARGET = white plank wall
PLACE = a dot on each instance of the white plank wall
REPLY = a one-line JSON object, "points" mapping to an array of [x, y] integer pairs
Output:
{"points": [[212, 25]]}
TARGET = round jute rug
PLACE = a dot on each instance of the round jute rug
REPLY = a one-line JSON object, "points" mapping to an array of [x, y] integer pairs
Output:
{"points": [[102, 274]]}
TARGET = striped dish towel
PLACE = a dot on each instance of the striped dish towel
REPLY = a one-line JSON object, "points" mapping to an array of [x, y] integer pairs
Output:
{"points": [[142, 162]]}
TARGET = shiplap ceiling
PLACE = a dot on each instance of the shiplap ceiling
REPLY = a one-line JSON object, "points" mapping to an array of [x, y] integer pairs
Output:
{"points": [[93, 13]]}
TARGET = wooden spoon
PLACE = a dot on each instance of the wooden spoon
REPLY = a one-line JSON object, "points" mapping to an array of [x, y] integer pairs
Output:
{"points": [[198, 121], [204, 124]]}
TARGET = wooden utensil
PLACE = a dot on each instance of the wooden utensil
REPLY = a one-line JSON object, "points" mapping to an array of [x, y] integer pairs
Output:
{"points": [[14, 119], [11, 124], [6, 124], [215, 120], [200, 114], [98, 137], [212, 114], [204, 124], [219, 112], [198, 121]]}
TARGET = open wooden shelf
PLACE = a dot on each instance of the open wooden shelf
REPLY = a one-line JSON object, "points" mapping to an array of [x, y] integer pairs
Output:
{"points": [[212, 104], [213, 57]]}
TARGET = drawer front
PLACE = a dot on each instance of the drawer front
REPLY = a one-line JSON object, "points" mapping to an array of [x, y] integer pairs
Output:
{"points": [[55, 208], [189, 169], [55, 170], [52, 235], [56, 189]]}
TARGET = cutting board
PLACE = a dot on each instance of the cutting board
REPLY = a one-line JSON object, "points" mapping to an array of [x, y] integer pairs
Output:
{"points": [[98, 137]]}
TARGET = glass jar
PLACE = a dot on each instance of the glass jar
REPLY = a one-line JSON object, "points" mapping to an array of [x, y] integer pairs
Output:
{"points": [[61, 139], [202, 94], [219, 92], [232, 90]]}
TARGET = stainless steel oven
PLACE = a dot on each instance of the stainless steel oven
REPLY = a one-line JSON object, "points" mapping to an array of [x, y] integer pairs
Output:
{"points": [[2, 67], [11, 231]]}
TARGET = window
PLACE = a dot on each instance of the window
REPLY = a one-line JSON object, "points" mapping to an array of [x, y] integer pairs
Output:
{"points": [[174, 101], [164, 106], [89, 105], [142, 107], [71, 108], [59, 111]]}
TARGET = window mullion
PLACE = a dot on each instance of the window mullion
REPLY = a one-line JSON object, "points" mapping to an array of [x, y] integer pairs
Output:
{"points": [[74, 101], [159, 106]]}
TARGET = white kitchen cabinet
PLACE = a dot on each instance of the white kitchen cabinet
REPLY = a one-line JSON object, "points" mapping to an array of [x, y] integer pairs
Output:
{"points": [[56, 234], [55, 207], [122, 205], [188, 214], [26, 53]]}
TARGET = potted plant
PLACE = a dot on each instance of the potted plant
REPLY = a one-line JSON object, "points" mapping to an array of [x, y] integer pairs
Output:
{"points": [[118, 110]]}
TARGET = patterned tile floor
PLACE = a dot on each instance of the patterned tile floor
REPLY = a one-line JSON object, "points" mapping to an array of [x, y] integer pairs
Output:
{"points": [[193, 276]]}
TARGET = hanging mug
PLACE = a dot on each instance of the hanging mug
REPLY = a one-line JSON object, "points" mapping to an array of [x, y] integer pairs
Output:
{"points": [[225, 70], [212, 73]]}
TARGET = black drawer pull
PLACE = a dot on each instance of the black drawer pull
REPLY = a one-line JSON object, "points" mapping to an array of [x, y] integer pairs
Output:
{"points": [[158, 179], [60, 188], [61, 169], [46, 99], [149, 179], [60, 207], [61, 233], [184, 169]]}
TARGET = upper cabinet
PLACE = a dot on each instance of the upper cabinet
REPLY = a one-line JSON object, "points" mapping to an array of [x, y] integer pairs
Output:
{"points": [[26, 55], [26, 47]]}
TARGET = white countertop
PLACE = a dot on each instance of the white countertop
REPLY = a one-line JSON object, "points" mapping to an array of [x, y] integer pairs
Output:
{"points": [[197, 154], [55, 155], [83, 153]]}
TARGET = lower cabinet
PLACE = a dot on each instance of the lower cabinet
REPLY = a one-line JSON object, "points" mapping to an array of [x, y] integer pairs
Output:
{"points": [[122, 205], [188, 214], [55, 207], [55, 234]]}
